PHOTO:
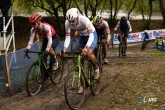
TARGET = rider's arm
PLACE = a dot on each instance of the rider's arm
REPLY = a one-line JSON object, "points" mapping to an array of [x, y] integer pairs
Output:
{"points": [[90, 40], [129, 25], [117, 26], [32, 35], [67, 34], [90, 30], [108, 30], [49, 37], [67, 42]]}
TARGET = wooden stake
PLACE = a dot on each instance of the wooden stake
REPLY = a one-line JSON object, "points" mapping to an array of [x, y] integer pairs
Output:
{"points": [[8, 84]]}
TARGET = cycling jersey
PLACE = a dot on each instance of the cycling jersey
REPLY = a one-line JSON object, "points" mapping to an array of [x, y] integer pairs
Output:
{"points": [[124, 30], [103, 29], [46, 31], [146, 36], [85, 28]]}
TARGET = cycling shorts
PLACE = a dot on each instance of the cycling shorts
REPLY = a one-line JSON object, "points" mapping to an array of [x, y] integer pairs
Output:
{"points": [[125, 34], [84, 39], [55, 42]]}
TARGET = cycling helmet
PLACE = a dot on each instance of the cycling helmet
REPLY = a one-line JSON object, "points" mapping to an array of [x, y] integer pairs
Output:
{"points": [[72, 14], [35, 18], [145, 30], [97, 20]]}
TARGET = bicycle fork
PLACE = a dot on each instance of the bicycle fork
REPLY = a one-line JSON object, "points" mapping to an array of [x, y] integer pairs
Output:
{"points": [[77, 73]]}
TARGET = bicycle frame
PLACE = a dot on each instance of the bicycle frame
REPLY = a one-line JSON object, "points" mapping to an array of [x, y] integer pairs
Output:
{"points": [[81, 72], [41, 62]]}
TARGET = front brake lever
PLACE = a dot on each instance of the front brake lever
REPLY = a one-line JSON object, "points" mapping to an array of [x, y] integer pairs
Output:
{"points": [[27, 55]]}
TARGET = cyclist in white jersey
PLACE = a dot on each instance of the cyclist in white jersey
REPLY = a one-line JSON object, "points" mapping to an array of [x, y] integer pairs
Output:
{"points": [[88, 36], [50, 38], [103, 32]]}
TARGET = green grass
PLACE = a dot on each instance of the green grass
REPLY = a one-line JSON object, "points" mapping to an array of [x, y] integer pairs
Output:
{"points": [[158, 53]]}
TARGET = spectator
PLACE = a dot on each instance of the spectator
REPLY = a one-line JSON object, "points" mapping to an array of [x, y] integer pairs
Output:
{"points": [[4, 6]]}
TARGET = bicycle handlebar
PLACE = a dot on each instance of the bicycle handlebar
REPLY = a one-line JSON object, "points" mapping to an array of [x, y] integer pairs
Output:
{"points": [[27, 55], [99, 42], [35, 52]]}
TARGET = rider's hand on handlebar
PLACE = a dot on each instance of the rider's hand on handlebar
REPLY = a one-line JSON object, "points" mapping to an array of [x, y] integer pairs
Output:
{"points": [[84, 51], [26, 53], [46, 53], [63, 52], [27, 50]]}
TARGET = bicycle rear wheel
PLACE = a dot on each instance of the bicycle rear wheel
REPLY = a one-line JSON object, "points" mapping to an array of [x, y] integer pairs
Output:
{"points": [[56, 76], [121, 50], [71, 86], [100, 58], [96, 85], [33, 80]]}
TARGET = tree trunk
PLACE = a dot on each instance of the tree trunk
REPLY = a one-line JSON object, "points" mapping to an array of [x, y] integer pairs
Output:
{"points": [[162, 10], [134, 4]]}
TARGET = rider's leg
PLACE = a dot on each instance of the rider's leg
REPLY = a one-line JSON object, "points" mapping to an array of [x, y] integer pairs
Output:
{"points": [[92, 57], [105, 44], [94, 63], [125, 40], [82, 43], [105, 47], [55, 42]]}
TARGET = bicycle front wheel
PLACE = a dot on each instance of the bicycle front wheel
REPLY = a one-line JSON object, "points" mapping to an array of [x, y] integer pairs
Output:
{"points": [[121, 50], [72, 85], [96, 85], [33, 80]]}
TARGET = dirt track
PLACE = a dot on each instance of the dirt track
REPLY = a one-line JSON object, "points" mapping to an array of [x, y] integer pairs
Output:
{"points": [[126, 81]]}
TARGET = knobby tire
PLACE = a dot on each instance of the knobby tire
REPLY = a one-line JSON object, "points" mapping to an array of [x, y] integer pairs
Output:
{"points": [[71, 86], [33, 80]]}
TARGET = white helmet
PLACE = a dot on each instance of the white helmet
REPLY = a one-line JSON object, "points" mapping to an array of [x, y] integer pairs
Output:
{"points": [[72, 14]]}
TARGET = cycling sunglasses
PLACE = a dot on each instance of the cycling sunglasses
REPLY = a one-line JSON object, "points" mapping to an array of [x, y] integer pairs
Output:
{"points": [[72, 21], [33, 24]]}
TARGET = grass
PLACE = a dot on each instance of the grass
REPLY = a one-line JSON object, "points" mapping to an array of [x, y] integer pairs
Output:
{"points": [[158, 53]]}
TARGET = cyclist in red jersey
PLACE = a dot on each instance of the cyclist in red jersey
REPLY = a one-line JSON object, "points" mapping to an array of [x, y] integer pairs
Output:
{"points": [[50, 37]]}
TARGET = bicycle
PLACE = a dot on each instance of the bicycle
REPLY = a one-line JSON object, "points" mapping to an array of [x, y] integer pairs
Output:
{"points": [[99, 53], [40, 71], [81, 74], [144, 44], [122, 45]]}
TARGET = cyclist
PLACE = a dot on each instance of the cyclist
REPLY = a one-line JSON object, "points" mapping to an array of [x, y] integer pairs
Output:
{"points": [[103, 31], [145, 35], [145, 38], [124, 28], [88, 36], [50, 38]]}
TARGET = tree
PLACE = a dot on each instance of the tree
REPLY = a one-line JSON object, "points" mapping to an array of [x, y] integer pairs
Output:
{"points": [[114, 10], [146, 12], [53, 7], [94, 4], [162, 9], [131, 6]]}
